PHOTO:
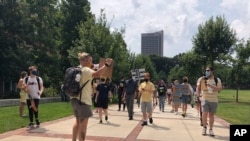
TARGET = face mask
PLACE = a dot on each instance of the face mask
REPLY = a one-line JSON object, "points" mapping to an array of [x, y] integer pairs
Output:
{"points": [[34, 72], [146, 80], [207, 73], [185, 80]]}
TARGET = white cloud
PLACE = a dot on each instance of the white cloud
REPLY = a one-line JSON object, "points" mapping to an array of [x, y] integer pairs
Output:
{"points": [[179, 19]]}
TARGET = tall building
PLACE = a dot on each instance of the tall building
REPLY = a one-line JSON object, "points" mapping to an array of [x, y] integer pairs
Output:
{"points": [[152, 43]]}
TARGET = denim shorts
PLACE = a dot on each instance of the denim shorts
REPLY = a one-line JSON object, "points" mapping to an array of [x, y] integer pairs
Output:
{"points": [[185, 99]]}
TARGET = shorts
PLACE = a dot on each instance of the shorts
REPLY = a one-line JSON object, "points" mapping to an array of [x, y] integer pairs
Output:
{"points": [[23, 97], [146, 107], [186, 99], [168, 94], [210, 107], [176, 100], [102, 103], [81, 110]]}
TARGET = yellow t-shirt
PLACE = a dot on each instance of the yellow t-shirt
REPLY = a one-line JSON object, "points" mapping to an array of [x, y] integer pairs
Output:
{"points": [[208, 93], [87, 90], [146, 95]]}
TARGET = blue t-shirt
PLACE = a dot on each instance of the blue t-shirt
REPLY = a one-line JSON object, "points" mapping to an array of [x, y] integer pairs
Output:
{"points": [[130, 86]]}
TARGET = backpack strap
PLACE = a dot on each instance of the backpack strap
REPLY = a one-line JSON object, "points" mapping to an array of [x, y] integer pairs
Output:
{"points": [[82, 88], [216, 80], [38, 81]]}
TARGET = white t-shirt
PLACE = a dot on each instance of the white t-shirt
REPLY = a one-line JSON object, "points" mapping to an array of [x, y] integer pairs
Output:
{"points": [[33, 87]]}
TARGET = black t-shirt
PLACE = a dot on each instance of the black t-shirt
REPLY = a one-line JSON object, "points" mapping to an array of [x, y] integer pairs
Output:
{"points": [[161, 90], [103, 90], [121, 86]]}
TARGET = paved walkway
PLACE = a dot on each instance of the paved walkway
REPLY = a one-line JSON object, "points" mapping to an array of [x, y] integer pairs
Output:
{"points": [[166, 127]]}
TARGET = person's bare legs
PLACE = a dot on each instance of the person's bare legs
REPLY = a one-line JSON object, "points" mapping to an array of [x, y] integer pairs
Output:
{"points": [[100, 113], [21, 108], [204, 119], [184, 109], [75, 130], [144, 116], [83, 129], [106, 114], [211, 120], [198, 104]]}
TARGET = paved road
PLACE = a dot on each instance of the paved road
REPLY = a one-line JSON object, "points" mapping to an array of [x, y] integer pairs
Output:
{"points": [[166, 127]]}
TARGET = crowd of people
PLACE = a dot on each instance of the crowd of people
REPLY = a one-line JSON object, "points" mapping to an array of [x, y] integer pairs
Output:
{"points": [[101, 91]]}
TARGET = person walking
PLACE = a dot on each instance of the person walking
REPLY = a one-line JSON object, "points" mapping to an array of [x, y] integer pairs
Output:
{"points": [[209, 88], [169, 93], [34, 87], [161, 88], [23, 94], [95, 82], [186, 97], [130, 89], [176, 97], [146, 90], [103, 91], [82, 107], [120, 94]]}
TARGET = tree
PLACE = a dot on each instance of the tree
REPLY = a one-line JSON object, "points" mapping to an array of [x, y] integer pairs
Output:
{"points": [[143, 61], [191, 63], [163, 65], [95, 38], [243, 53], [214, 38]]}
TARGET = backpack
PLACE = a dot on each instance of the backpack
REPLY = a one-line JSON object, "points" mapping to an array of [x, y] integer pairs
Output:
{"points": [[38, 81], [71, 83]]}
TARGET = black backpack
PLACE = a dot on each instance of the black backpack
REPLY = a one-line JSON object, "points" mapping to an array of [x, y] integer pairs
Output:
{"points": [[71, 83]]}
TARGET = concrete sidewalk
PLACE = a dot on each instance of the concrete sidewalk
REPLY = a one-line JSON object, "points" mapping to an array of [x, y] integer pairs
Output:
{"points": [[166, 127]]}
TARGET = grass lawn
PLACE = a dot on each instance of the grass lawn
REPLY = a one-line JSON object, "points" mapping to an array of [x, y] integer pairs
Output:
{"points": [[228, 109], [10, 119]]}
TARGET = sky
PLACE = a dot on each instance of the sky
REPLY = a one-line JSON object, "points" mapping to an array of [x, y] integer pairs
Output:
{"points": [[179, 19]]}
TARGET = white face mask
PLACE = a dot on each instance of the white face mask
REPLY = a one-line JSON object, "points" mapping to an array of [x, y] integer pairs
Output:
{"points": [[207, 73]]}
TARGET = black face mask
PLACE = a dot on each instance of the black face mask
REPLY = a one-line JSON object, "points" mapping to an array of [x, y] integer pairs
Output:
{"points": [[185, 80], [146, 80]]}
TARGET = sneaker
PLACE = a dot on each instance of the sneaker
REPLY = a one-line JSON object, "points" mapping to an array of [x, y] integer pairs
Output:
{"points": [[176, 113], [172, 111], [31, 125], [106, 118], [130, 118], [204, 131], [23, 115], [183, 115], [100, 121], [37, 122], [144, 123], [151, 120], [119, 110], [211, 132]]}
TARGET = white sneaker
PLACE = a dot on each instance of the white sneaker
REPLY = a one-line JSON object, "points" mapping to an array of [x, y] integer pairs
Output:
{"points": [[176, 113], [211, 132], [204, 131]]}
